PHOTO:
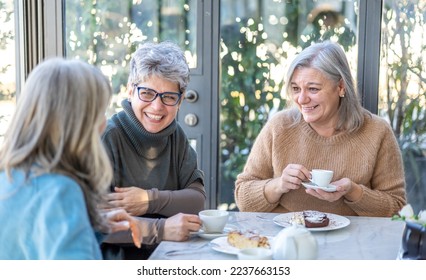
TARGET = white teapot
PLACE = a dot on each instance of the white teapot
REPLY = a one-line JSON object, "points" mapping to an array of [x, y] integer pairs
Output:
{"points": [[294, 243]]}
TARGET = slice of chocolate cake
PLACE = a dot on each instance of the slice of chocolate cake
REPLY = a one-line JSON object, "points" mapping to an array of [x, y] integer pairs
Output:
{"points": [[315, 219]]}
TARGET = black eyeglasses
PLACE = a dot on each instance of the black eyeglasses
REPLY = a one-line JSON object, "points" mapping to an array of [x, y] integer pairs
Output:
{"points": [[148, 95]]}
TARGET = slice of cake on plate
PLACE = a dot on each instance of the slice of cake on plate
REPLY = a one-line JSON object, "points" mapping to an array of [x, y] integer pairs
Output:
{"points": [[247, 239], [315, 219]]}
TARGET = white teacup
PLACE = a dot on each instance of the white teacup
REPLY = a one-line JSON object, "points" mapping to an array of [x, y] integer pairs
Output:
{"points": [[255, 254], [321, 177], [214, 221]]}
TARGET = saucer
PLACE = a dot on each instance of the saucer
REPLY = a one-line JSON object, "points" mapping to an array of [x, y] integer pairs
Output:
{"points": [[210, 236], [310, 185]]}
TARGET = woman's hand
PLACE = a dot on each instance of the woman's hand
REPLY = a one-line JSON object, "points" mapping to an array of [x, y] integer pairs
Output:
{"points": [[344, 188], [119, 220], [179, 226], [291, 179], [134, 200]]}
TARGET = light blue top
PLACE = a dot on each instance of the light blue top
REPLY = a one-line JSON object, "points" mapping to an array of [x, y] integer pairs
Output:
{"points": [[44, 217]]}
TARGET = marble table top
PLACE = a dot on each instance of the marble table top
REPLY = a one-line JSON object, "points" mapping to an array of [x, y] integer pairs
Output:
{"points": [[365, 238]]}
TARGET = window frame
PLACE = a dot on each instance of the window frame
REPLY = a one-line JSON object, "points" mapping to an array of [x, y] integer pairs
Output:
{"points": [[369, 33], [38, 28]]}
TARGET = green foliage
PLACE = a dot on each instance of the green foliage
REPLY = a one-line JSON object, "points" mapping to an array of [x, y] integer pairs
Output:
{"points": [[106, 33], [403, 53], [405, 106], [328, 25], [5, 17], [99, 34], [6, 38], [293, 15], [248, 92]]}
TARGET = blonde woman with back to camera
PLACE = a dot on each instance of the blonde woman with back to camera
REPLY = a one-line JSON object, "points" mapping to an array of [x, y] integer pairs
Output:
{"points": [[54, 169], [326, 128]]}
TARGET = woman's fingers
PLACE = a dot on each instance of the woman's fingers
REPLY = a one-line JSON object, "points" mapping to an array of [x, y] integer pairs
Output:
{"points": [[136, 233]]}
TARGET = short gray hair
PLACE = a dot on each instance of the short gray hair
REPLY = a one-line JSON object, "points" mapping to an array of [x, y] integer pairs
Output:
{"points": [[330, 59], [165, 60]]}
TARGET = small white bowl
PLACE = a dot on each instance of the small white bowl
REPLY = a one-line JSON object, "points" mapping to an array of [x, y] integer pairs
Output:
{"points": [[255, 254]]}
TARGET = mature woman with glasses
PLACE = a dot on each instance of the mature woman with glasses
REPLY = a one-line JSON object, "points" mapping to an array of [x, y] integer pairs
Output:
{"points": [[155, 168]]}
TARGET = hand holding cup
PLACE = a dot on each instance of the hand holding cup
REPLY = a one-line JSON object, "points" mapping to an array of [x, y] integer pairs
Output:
{"points": [[321, 177], [214, 220]]}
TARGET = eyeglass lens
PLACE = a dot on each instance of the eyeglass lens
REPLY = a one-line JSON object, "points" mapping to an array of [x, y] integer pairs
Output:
{"points": [[149, 95]]}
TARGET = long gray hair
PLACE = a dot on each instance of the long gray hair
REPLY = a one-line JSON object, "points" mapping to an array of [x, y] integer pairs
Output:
{"points": [[330, 59], [57, 125], [164, 60]]}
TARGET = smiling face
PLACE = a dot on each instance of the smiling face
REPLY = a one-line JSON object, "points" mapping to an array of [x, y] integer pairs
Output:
{"points": [[317, 98], [154, 116]]}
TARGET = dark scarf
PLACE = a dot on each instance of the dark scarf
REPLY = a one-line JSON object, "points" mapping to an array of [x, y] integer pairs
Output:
{"points": [[146, 144]]}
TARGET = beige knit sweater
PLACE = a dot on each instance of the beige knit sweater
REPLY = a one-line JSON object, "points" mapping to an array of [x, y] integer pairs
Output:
{"points": [[369, 157]]}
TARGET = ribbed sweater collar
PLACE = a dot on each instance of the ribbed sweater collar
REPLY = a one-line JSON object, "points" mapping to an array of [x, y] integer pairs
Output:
{"points": [[147, 144], [312, 134]]}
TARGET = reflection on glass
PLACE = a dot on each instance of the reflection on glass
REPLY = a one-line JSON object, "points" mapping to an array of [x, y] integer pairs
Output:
{"points": [[402, 88], [106, 33], [193, 143], [325, 22], [7, 65], [258, 41]]}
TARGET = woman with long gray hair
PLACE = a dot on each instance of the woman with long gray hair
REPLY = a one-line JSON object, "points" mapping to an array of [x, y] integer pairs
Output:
{"points": [[327, 128]]}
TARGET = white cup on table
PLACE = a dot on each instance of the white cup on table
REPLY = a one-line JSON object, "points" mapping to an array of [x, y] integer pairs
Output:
{"points": [[214, 220], [321, 177]]}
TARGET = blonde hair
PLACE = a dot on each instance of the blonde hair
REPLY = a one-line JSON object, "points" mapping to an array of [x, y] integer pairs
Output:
{"points": [[57, 125]]}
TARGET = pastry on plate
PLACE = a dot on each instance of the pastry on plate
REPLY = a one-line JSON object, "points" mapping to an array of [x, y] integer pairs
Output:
{"points": [[247, 239]]}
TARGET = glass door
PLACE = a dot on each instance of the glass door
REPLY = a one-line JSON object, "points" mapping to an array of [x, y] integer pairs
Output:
{"points": [[402, 88], [258, 41], [106, 33]]}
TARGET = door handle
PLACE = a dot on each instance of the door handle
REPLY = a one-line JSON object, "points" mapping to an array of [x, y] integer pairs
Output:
{"points": [[191, 96]]}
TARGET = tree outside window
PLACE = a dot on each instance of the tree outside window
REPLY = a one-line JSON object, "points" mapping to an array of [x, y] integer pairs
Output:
{"points": [[7, 65]]}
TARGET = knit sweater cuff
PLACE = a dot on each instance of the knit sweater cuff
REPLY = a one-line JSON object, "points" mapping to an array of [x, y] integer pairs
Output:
{"points": [[362, 206], [255, 200]]}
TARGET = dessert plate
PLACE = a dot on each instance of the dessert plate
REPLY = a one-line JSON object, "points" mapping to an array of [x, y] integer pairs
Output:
{"points": [[210, 236], [221, 244], [336, 221], [310, 185]]}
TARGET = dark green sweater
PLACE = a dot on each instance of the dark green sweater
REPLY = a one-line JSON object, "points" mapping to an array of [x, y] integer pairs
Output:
{"points": [[163, 163]]}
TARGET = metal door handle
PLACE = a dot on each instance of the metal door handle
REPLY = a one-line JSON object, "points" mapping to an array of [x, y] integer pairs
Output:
{"points": [[191, 96]]}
